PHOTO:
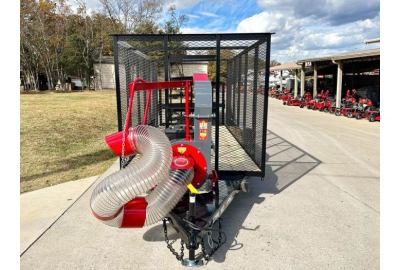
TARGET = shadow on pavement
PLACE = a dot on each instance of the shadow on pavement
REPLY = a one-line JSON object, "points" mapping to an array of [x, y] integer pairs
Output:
{"points": [[286, 163]]}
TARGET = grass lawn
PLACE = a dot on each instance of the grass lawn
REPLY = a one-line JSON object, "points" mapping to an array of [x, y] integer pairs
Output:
{"points": [[62, 136]]}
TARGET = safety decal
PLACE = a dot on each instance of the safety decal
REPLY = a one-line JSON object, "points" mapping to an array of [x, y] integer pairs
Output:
{"points": [[203, 129], [181, 149]]}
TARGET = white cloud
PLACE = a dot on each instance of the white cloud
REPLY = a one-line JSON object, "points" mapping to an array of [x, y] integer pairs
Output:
{"points": [[274, 3], [194, 30], [193, 16], [301, 38], [333, 12], [373, 23], [188, 4], [91, 5], [208, 14]]}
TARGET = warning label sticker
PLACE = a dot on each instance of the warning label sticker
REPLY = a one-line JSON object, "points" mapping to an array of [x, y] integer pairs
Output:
{"points": [[181, 149], [203, 129]]}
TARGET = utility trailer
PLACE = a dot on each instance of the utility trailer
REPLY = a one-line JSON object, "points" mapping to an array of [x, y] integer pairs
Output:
{"points": [[216, 124]]}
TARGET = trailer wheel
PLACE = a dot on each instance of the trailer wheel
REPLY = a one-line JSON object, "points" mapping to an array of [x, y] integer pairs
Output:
{"points": [[372, 118], [358, 116]]}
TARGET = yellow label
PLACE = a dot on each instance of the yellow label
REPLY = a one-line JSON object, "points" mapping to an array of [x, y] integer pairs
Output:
{"points": [[181, 150]]}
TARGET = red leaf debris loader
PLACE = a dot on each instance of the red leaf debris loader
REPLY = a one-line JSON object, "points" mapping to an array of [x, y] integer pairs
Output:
{"points": [[187, 145]]}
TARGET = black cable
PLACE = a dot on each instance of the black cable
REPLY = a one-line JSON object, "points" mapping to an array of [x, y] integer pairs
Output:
{"points": [[197, 228]]}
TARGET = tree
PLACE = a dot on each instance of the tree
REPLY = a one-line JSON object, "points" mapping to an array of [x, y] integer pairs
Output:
{"points": [[225, 54], [57, 42], [133, 14], [274, 63]]}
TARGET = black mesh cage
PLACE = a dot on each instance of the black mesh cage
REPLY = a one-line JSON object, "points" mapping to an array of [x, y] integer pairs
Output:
{"points": [[238, 67]]}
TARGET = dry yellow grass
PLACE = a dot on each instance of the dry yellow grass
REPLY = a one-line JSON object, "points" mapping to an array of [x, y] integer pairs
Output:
{"points": [[62, 136]]}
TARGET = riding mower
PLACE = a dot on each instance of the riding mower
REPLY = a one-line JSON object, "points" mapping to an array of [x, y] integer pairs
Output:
{"points": [[363, 106], [329, 104], [294, 101], [283, 94], [305, 99], [374, 115], [312, 103], [321, 105], [347, 104], [287, 97]]}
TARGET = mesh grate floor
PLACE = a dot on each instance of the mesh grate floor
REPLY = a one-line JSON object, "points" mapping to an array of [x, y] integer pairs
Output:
{"points": [[232, 157]]}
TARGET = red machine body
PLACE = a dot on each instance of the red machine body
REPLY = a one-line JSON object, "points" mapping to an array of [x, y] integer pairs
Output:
{"points": [[321, 104], [305, 99], [185, 155], [283, 94], [312, 103], [373, 114]]}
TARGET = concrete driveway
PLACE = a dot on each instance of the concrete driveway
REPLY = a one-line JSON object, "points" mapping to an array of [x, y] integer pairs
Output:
{"points": [[318, 208]]}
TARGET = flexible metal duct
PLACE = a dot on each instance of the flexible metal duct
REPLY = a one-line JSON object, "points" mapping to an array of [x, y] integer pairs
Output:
{"points": [[117, 193]]}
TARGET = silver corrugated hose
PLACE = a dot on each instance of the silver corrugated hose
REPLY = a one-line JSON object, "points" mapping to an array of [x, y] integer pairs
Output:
{"points": [[167, 194], [152, 169]]}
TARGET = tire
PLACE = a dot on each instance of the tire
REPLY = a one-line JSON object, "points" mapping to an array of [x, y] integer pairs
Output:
{"points": [[284, 103], [326, 110], [372, 118], [332, 111], [337, 113], [301, 106], [321, 109], [287, 103], [350, 115], [358, 116], [313, 107]]}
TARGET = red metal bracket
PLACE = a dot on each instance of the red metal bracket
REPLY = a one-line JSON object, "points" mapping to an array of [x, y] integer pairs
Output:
{"points": [[140, 85]]}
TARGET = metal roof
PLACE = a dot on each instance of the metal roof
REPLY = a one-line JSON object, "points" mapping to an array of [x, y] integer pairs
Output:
{"points": [[287, 66], [351, 55]]}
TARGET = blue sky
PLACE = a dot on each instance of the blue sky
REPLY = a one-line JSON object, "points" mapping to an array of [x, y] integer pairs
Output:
{"points": [[304, 28]]}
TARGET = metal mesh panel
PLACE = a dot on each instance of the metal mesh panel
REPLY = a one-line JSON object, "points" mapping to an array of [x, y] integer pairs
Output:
{"points": [[245, 117], [239, 132], [133, 64]]}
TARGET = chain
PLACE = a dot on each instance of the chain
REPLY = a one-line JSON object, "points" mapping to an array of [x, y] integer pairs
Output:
{"points": [[123, 159], [208, 256], [169, 246]]}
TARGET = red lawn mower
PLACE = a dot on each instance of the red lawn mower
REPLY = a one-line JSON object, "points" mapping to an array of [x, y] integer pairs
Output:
{"points": [[347, 104], [305, 99], [329, 105], [287, 97], [321, 105], [293, 101], [362, 106], [283, 94], [373, 114], [312, 103]]}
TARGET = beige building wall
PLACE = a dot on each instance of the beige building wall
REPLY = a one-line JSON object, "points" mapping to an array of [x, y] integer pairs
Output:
{"points": [[188, 69], [104, 76]]}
